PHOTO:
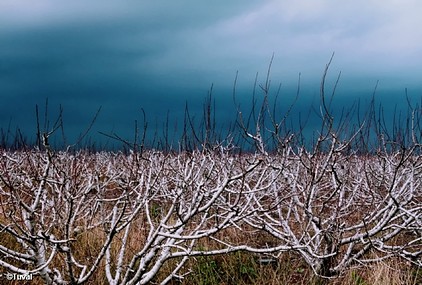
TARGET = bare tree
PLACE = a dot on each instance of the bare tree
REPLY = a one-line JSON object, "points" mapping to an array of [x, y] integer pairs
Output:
{"points": [[69, 217], [141, 214], [340, 208]]}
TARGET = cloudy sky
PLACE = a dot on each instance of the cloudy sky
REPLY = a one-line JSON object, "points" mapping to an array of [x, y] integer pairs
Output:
{"points": [[126, 55]]}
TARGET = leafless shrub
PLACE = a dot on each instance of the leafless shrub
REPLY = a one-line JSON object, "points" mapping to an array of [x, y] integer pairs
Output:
{"points": [[50, 201], [66, 216]]}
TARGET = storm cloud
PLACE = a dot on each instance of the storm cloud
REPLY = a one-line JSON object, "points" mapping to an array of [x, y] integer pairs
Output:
{"points": [[157, 55]]}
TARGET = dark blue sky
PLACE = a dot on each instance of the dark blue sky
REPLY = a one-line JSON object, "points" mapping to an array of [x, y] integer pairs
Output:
{"points": [[127, 55]]}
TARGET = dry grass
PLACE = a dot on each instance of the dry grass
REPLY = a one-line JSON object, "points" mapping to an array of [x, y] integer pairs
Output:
{"points": [[246, 268], [232, 268]]}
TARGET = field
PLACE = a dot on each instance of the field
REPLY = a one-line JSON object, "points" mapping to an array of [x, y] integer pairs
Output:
{"points": [[212, 217]]}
